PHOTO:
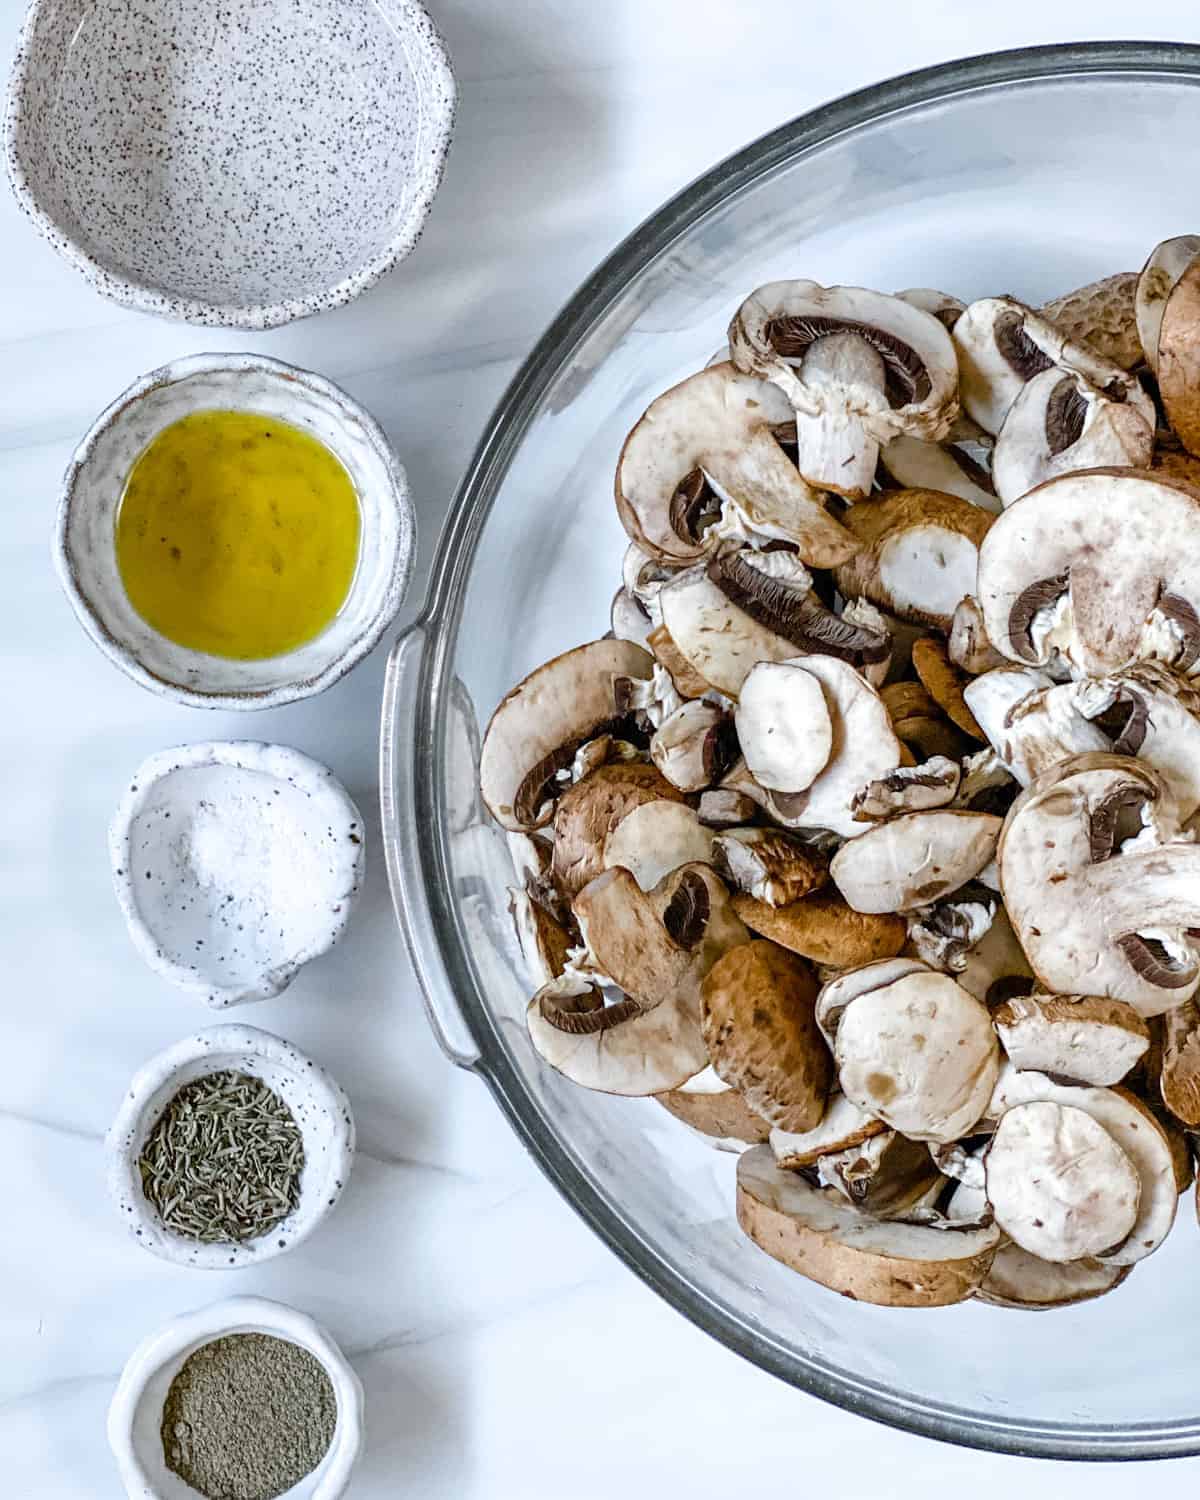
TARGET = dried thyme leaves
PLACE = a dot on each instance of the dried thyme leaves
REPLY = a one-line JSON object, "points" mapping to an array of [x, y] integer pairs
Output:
{"points": [[222, 1163]]}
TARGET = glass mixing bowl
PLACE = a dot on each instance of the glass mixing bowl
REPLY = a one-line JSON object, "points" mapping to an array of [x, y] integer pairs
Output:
{"points": [[1027, 172]]}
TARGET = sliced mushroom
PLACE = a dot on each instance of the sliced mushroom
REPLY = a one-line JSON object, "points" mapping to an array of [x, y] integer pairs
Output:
{"points": [[762, 1035], [1103, 316], [842, 1127], [944, 934], [958, 1160], [655, 838], [920, 1054], [1151, 712], [933, 783], [536, 730], [723, 807], [628, 619], [1159, 278], [1019, 1280], [642, 576], [1098, 566], [996, 968], [887, 1175], [914, 860], [857, 366], [694, 746], [887, 1262], [724, 1117], [944, 683], [987, 785], [688, 682], [768, 864], [862, 616], [1029, 725], [909, 463], [1179, 1079], [1079, 1038], [588, 812], [945, 308], [837, 993], [919, 556], [717, 426], [544, 940], [783, 726], [720, 642], [824, 929], [920, 725], [968, 645], [1094, 914]]}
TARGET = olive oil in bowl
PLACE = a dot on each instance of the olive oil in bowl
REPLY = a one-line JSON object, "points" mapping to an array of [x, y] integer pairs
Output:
{"points": [[237, 535]]}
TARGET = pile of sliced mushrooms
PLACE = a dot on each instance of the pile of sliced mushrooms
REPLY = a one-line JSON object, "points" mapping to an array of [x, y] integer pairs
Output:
{"points": [[865, 840]]}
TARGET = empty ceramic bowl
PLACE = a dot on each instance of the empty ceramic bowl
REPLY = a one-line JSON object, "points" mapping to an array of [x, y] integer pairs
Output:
{"points": [[317, 1104], [136, 1413], [235, 863], [241, 166], [85, 547]]}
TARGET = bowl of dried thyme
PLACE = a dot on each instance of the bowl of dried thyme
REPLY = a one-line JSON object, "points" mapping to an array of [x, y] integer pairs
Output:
{"points": [[244, 1400], [229, 1148]]}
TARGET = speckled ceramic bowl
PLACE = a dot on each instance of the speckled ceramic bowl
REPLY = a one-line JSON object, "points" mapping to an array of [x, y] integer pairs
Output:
{"points": [[135, 1416], [241, 166], [235, 864], [85, 551], [318, 1105]]}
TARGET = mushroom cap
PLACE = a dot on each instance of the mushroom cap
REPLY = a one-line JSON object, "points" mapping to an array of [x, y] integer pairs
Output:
{"points": [[1166, 264], [725, 1118], [914, 860], [824, 929], [968, 646], [694, 746], [886, 1262], [842, 1126], [944, 307], [1058, 1183], [783, 725], [1081, 1038], [919, 788], [1178, 368], [655, 838], [1031, 725], [762, 1035], [537, 728], [589, 811], [771, 866], [1179, 1078], [836, 994], [1019, 1280], [1102, 315], [920, 1054], [945, 683]]}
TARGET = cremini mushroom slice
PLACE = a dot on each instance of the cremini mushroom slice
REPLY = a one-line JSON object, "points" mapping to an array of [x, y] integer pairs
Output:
{"points": [[944, 934], [544, 941], [824, 929], [1019, 1280], [863, 616], [783, 726], [944, 683], [1102, 566], [920, 725], [920, 1054], [628, 619], [1179, 1079], [588, 812], [842, 1127], [996, 968], [1158, 279], [920, 788], [536, 730], [837, 993], [724, 807], [987, 785], [1031, 727], [1153, 713], [708, 443], [1103, 316], [968, 646], [1080, 1038], [884, 1261], [655, 838], [719, 642], [762, 1035], [857, 366], [914, 860], [945, 308], [1060, 1186], [1102, 891], [908, 463], [724, 1117], [768, 864], [887, 1175], [1178, 367], [919, 556], [642, 576], [694, 746], [688, 682]]}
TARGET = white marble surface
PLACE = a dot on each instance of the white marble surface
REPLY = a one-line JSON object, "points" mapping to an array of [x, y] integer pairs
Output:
{"points": [[505, 1352]]}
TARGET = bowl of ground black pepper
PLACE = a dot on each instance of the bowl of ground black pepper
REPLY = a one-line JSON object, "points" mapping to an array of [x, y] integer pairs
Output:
{"points": [[244, 1400], [229, 1148]]}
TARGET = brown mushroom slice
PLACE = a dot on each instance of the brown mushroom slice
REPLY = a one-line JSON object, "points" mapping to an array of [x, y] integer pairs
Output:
{"points": [[1081, 1038], [762, 1036], [910, 463], [914, 860], [943, 935], [1179, 1079], [588, 812], [768, 864], [1178, 368], [968, 646], [996, 968], [544, 941], [723, 807], [920, 788], [718, 426], [919, 556], [688, 682], [837, 993], [824, 929], [1132, 1126], [1093, 915], [944, 683], [694, 746], [1028, 1283], [725, 1117], [655, 838], [842, 1127], [883, 1261], [1049, 580], [1060, 1186], [783, 726], [886, 1175], [537, 728], [1158, 279], [857, 366], [1102, 315], [920, 1054]]}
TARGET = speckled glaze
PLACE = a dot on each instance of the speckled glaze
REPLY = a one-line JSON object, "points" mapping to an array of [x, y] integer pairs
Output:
{"points": [[85, 551], [235, 864], [239, 163], [318, 1105], [135, 1416]]}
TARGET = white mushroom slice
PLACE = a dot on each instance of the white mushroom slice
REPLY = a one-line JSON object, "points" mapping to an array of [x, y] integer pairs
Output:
{"points": [[836, 994], [538, 727], [953, 1159], [1096, 565], [920, 788], [1103, 316], [914, 860], [1159, 277], [694, 746], [1058, 1183], [996, 968], [968, 645], [1002, 344], [719, 641], [864, 618], [771, 866], [1179, 1077], [920, 554], [655, 699], [920, 1054], [945, 308], [914, 465], [1029, 724], [723, 807], [718, 426], [858, 367], [987, 785], [943, 935], [642, 576], [1158, 720], [1081, 1038], [655, 838], [1132, 1125], [628, 619], [783, 726], [887, 1262], [842, 1127], [1059, 423], [887, 1175], [1019, 1280], [1095, 913]]}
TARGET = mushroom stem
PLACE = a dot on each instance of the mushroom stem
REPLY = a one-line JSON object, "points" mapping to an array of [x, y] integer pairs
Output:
{"points": [[834, 450]]}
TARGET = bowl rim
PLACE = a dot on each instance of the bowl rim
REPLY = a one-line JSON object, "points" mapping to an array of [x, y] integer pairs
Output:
{"points": [[398, 497], [415, 26], [439, 621]]}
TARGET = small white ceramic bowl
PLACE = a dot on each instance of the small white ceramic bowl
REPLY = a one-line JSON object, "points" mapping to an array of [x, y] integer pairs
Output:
{"points": [[135, 1415], [235, 864], [318, 1105], [239, 168], [85, 551]]}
